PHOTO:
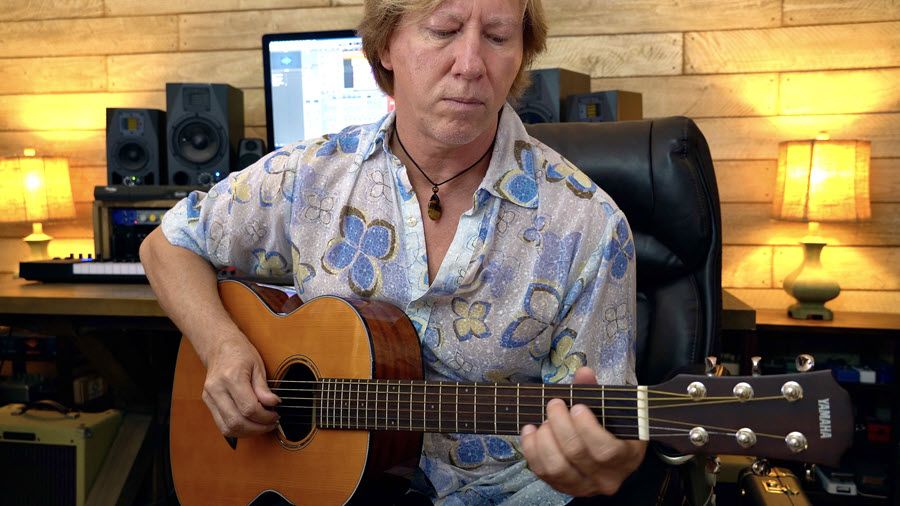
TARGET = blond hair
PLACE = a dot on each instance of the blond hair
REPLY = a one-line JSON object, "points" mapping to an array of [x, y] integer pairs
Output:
{"points": [[381, 18]]}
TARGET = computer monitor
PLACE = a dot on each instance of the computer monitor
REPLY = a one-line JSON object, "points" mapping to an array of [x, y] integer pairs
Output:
{"points": [[317, 83]]}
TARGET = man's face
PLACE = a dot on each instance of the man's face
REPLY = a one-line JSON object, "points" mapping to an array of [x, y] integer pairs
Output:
{"points": [[453, 68]]}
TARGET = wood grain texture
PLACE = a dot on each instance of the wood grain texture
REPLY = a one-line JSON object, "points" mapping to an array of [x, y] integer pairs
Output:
{"points": [[151, 72], [701, 96], [747, 266], [745, 180], [84, 179], [751, 224], [22, 10], [589, 17], [70, 111], [241, 30], [93, 36], [814, 12], [52, 75], [758, 138], [884, 182], [142, 7], [839, 92], [615, 55], [869, 45], [81, 147]]}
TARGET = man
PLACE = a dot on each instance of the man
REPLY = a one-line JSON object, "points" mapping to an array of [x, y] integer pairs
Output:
{"points": [[510, 263]]}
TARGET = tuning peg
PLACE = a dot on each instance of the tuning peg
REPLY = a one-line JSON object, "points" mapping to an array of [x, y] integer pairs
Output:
{"points": [[711, 362], [805, 362], [755, 360]]}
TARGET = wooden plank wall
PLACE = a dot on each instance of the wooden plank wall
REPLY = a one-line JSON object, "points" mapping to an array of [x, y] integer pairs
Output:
{"points": [[751, 72]]}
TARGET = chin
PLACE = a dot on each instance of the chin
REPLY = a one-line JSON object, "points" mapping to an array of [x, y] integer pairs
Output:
{"points": [[459, 132]]}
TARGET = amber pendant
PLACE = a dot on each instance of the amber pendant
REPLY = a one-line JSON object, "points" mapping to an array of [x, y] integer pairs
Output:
{"points": [[434, 207]]}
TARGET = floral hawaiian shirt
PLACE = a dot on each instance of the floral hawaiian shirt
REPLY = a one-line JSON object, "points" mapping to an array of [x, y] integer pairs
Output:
{"points": [[538, 281]]}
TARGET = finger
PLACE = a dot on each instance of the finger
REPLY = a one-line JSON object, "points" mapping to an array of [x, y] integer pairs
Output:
{"points": [[243, 395], [261, 388], [568, 438], [555, 466], [584, 376], [598, 441], [227, 416]]}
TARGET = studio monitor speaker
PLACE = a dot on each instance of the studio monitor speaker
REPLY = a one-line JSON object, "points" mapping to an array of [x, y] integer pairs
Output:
{"points": [[135, 147], [543, 101], [602, 106], [205, 122], [249, 151]]}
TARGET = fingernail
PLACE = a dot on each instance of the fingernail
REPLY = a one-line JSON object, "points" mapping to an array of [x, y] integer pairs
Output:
{"points": [[579, 409], [528, 429]]}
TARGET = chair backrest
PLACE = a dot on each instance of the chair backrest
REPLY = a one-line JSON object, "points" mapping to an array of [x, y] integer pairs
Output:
{"points": [[660, 173]]}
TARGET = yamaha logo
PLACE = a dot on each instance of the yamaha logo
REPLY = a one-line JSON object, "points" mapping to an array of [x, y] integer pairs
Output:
{"points": [[825, 418]]}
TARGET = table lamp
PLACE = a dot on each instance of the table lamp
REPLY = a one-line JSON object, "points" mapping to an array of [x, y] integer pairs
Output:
{"points": [[819, 180], [34, 189]]}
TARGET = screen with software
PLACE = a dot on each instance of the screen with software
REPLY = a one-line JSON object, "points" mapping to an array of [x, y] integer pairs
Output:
{"points": [[317, 83]]}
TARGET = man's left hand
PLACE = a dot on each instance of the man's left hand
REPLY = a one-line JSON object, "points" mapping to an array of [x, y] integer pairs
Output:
{"points": [[573, 453]]}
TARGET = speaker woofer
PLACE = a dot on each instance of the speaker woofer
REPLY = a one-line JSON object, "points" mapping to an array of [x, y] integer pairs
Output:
{"points": [[132, 156], [198, 141]]}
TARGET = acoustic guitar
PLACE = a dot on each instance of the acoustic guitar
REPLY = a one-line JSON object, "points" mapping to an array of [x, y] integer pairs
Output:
{"points": [[355, 406]]}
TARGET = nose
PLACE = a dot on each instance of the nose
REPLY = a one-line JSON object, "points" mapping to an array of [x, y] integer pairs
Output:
{"points": [[469, 62]]}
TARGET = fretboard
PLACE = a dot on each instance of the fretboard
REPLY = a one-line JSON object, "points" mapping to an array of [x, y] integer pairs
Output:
{"points": [[483, 408]]}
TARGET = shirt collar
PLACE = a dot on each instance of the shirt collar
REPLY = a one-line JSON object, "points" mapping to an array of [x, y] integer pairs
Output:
{"points": [[511, 174]]}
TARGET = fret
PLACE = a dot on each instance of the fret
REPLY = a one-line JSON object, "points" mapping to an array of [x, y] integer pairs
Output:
{"points": [[325, 385], [424, 406], [358, 383], [475, 409], [603, 405], [367, 409], [317, 403], [543, 403], [410, 405], [518, 404], [495, 408], [457, 407], [375, 417], [571, 397], [440, 404], [397, 420], [341, 404]]}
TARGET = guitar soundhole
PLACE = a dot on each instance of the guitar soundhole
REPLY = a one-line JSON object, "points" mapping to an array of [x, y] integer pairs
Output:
{"points": [[296, 388]]}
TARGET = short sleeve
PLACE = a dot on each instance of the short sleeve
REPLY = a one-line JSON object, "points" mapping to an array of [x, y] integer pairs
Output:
{"points": [[243, 220]]}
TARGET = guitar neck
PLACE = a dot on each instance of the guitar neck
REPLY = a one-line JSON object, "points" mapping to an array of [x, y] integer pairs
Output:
{"points": [[483, 408]]}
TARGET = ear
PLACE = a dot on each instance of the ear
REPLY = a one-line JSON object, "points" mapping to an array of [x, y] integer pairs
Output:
{"points": [[385, 58]]}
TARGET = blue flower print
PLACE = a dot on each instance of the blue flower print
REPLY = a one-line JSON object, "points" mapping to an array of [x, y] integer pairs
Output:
{"points": [[471, 451], [269, 264], [305, 273], [518, 184], [563, 362], [440, 477], [347, 140], [620, 250], [360, 245], [578, 182], [471, 322], [541, 306], [431, 340], [532, 234]]}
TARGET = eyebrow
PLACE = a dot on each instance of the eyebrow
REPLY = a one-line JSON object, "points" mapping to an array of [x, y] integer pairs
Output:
{"points": [[492, 21]]}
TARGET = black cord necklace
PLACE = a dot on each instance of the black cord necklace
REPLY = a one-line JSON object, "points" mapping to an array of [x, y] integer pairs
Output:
{"points": [[434, 205]]}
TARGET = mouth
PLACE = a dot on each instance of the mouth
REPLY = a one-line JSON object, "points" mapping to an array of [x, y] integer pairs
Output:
{"points": [[465, 101]]}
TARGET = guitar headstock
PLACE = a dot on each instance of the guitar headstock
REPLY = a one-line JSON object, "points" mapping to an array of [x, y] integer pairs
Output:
{"points": [[803, 417]]}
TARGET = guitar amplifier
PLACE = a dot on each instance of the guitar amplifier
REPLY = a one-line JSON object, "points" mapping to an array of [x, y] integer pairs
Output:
{"points": [[47, 457]]}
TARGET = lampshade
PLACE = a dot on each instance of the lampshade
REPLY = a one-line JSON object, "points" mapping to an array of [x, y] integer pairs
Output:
{"points": [[823, 180], [35, 189]]}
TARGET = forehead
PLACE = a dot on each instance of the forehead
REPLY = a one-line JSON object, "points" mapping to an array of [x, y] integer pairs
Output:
{"points": [[496, 10]]}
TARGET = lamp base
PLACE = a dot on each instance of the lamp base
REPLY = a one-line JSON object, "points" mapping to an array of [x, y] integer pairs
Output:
{"points": [[810, 284], [810, 311], [38, 243]]}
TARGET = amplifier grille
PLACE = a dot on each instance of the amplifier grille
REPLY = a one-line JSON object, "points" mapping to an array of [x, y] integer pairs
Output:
{"points": [[37, 474]]}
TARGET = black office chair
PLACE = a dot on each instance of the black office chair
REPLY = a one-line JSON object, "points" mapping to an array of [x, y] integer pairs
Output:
{"points": [[660, 173]]}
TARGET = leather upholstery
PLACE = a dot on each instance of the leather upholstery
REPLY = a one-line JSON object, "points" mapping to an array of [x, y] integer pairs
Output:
{"points": [[660, 173]]}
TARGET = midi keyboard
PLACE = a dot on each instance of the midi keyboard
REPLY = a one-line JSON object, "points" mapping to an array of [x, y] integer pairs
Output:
{"points": [[78, 270]]}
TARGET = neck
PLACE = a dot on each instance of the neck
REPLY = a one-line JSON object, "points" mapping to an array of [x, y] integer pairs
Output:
{"points": [[438, 159]]}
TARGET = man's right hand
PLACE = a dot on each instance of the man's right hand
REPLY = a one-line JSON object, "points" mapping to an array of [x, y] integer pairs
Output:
{"points": [[236, 391]]}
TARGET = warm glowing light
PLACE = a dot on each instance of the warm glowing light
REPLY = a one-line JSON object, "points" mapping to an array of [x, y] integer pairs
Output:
{"points": [[823, 181], [29, 152], [34, 189], [33, 182]]}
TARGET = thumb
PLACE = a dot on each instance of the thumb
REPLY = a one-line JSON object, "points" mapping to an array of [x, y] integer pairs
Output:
{"points": [[261, 387], [585, 376]]}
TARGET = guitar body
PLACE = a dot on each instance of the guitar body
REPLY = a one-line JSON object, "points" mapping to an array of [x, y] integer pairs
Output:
{"points": [[327, 337]]}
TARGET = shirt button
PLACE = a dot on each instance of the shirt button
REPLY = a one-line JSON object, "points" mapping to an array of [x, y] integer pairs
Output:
{"points": [[412, 221]]}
